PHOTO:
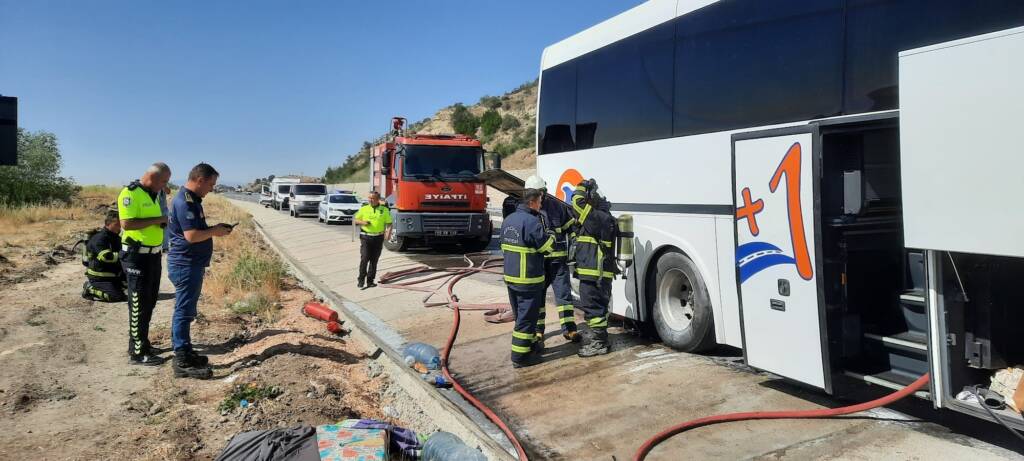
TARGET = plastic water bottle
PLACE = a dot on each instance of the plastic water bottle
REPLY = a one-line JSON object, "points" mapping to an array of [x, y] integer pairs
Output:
{"points": [[445, 446], [436, 380], [423, 353]]}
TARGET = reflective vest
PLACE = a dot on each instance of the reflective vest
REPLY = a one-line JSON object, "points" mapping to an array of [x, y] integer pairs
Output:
{"points": [[559, 221], [595, 242], [101, 255], [524, 244], [135, 202], [378, 219]]}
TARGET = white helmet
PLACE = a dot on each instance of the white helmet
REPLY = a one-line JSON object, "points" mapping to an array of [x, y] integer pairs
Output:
{"points": [[535, 182]]}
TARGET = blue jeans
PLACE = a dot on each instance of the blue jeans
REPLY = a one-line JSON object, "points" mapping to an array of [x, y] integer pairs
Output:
{"points": [[188, 283]]}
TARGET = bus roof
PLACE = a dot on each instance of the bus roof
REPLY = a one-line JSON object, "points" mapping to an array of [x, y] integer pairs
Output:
{"points": [[625, 24]]}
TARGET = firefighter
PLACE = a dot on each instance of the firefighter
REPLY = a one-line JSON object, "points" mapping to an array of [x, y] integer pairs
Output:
{"points": [[101, 256], [375, 226], [142, 241], [524, 243], [594, 256], [558, 220]]}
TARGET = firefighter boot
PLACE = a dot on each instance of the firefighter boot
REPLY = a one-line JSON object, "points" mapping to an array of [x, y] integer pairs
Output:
{"points": [[595, 342], [187, 366]]}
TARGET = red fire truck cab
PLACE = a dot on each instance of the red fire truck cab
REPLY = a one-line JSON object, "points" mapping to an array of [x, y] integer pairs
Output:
{"points": [[430, 183]]}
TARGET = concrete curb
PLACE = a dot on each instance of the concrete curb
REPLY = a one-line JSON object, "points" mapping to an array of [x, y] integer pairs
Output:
{"points": [[450, 410]]}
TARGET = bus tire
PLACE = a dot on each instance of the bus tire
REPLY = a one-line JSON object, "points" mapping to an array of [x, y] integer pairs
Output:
{"points": [[681, 306]]}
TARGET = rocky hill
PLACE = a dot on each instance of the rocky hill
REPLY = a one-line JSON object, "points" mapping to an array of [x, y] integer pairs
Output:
{"points": [[505, 124]]}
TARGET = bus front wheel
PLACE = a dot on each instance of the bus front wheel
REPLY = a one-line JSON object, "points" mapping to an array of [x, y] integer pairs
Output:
{"points": [[681, 309]]}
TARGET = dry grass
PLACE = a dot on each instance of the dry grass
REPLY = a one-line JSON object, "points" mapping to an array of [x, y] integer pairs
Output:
{"points": [[246, 276], [90, 203]]}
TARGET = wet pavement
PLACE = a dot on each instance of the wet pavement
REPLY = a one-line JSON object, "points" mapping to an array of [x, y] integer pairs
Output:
{"points": [[605, 407]]}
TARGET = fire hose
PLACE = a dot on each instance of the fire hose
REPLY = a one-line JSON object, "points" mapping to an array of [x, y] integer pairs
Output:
{"points": [[664, 435], [453, 276]]}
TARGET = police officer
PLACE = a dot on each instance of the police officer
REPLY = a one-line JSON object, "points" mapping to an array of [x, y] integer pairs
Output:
{"points": [[142, 239], [101, 256], [557, 220], [595, 267], [190, 253], [375, 226], [524, 243]]}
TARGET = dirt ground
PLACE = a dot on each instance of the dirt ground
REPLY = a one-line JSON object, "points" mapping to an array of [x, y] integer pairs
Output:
{"points": [[67, 390]]}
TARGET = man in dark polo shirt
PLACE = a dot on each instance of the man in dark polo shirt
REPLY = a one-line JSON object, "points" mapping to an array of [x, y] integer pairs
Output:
{"points": [[189, 255]]}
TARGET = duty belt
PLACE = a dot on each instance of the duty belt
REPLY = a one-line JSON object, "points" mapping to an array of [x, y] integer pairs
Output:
{"points": [[145, 250], [371, 234]]}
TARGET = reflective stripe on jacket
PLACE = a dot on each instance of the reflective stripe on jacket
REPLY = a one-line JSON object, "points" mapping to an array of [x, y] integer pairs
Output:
{"points": [[524, 244], [558, 220], [101, 255], [595, 245]]}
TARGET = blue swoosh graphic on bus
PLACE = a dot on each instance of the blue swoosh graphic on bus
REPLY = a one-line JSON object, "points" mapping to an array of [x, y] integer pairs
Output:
{"points": [[568, 193], [755, 257]]}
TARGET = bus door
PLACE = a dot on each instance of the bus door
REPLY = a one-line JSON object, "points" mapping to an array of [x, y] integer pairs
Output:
{"points": [[777, 250]]}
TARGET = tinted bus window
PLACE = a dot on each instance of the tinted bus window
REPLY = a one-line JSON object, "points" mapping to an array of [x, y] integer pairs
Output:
{"points": [[624, 90], [557, 112], [749, 63], [877, 30]]}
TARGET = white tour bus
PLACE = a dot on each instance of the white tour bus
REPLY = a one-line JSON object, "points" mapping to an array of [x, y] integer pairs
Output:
{"points": [[826, 184]]}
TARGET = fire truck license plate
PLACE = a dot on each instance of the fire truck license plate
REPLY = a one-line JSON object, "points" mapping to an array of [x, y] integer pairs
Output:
{"points": [[444, 233]]}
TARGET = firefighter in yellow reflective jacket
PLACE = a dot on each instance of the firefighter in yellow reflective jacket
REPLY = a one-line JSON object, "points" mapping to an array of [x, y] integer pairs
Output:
{"points": [[524, 243], [101, 257], [594, 256]]}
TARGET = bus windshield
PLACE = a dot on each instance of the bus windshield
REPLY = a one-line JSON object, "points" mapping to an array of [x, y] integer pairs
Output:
{"points": [[450, 163]]}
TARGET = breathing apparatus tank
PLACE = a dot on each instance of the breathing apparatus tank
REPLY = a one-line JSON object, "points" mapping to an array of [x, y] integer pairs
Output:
{"points": [[624, 241]]}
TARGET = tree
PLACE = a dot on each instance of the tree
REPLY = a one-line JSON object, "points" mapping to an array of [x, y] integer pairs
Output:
{"points": [[36, 178], [490, 102], [463, 121], [509, 122], [490, 122]]}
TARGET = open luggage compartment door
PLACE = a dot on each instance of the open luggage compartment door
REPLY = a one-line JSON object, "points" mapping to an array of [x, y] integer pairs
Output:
{"points": [[781, 308]]}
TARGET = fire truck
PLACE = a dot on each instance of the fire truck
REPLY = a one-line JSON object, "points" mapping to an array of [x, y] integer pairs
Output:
{"points": [[430, 184]]}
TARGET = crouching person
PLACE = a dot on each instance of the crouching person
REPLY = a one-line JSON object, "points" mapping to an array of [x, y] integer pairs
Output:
{"points": [[105, 279]]}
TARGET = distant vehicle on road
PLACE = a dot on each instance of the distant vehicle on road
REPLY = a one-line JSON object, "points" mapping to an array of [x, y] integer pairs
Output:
{"points": [[305, 198], [281, 188], [338, 207], [266, 196]]}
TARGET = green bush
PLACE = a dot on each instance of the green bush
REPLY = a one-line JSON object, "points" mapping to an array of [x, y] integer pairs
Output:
{"points": [[248, 392], [509, 122], [490, 102], [463, 121], [254, 269], [36, 178], [490, 122]]}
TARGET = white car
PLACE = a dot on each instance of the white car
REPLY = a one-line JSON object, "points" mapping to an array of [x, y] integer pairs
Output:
{"points": [[338, 207]]}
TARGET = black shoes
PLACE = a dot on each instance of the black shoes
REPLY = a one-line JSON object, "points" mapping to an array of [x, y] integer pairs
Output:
{"points": [[188, 364], [370, 284], [572, 336], [528, 360], [360, 284], [147, 360], [594, 344]]}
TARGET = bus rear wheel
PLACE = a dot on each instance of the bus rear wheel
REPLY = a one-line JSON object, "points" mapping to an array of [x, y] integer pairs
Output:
{"points": [[681, 306]]}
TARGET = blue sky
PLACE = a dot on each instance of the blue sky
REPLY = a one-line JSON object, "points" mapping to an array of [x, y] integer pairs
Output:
{"points": [[259, 87]]}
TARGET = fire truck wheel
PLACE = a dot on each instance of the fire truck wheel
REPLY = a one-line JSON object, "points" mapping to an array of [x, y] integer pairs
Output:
{"points": [[396, 243], [681, 306]]}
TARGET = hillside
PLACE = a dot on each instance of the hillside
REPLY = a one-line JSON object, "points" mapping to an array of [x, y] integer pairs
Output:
{"points": [[505, 124]]}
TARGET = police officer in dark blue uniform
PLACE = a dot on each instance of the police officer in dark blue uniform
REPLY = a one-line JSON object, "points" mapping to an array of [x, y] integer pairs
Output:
{"points": [[524, 243], [190, 252], [594, 258]]}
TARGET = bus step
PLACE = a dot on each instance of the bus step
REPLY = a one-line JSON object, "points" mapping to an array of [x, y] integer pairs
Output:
{"points": [[907, 339], [889, 379]]}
